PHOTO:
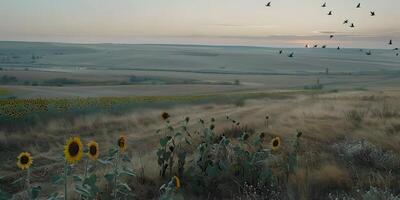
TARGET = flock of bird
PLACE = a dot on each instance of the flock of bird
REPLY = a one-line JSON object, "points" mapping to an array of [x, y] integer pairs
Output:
{"points": [[345, 22]]}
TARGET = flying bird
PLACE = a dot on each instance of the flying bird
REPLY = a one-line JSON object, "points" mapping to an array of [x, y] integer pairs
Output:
{"points": [[330, 13], [390, 42], [280, 51], [324, 5], [352, 25], [368, 53], [359, 5], [331, 36], [372, 13], [346, 21], [268, 4], [291, 55]]}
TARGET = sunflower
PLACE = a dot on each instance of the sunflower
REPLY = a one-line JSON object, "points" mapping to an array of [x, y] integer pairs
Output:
{"points": [[276, 143], [93, 150], [24, 160], [73, 150], [122, 143], [165, 115], [177, 182]]}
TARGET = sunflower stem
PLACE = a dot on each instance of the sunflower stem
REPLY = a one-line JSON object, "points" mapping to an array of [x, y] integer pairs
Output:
{"points": [[28, 183], [116, 174], [65, 180], [86, 169]]}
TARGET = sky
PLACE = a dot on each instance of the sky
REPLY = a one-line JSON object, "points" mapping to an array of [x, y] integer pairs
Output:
{"points": [[212, 22]]}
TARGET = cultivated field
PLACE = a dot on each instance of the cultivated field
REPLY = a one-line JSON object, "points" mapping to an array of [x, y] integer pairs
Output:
{"points": [[349, 147]]}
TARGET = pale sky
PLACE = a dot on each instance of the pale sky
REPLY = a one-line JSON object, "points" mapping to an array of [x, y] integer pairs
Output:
{"points": [[215, 22]]}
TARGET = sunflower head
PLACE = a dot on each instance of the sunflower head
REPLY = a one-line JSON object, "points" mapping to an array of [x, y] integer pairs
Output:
{"points": [[73, 150], [165, 115], [276, 143], [93, 152], [24, 160], [121, 143], [177, 182]]}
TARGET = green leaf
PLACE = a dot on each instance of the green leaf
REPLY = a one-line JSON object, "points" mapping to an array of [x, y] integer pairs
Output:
{"points": [[4, 195], [223, 165], [18, 180], [82, 191], [54, 196], [212, 171], [112, 152], [164, 141], [77, 178], [128, 172], [109, 177], [126, 158], [91, 181], [125, 186], [35, 192], [104, 162], [57, 179]]}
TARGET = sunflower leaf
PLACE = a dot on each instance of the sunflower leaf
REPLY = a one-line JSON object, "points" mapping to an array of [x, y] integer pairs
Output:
{"points": [[109, 177], [104, 162], [77, 178], [128, 172], [54, 196], [124, 186], [35, 192], [17, 180], [91, 181], [57, 179], [4, 195], [82, 191], [126, 158]]}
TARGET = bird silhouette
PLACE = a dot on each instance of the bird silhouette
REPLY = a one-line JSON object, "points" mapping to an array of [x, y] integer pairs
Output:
{"points": [[390, 42], [372, 13], [359, 5], [324, 5], [352, 25], [331, 36], [315, 46], [291, 55], [346, 21], [323, 46], [338, 48], [368, 53], [280, 51], [330, 13], [268, 4]]}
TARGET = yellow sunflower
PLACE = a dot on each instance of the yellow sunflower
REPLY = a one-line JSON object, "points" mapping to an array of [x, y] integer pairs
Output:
{"points": [[276, 143], [93, 153], [73, 150], [24, 160], [122, 143], [177, 182]]}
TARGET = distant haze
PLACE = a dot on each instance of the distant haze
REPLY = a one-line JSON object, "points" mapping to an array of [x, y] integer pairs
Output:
{"points": [[291, 23]]}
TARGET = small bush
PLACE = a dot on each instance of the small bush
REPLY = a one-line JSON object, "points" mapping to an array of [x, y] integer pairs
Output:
{"points": [[365, 153]]}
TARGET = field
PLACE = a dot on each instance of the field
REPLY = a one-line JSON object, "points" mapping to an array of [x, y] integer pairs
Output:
{"points": [[223, 122]]}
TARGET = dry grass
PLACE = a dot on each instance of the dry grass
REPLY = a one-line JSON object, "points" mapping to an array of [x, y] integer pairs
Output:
{"points": [[350, 141]]}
